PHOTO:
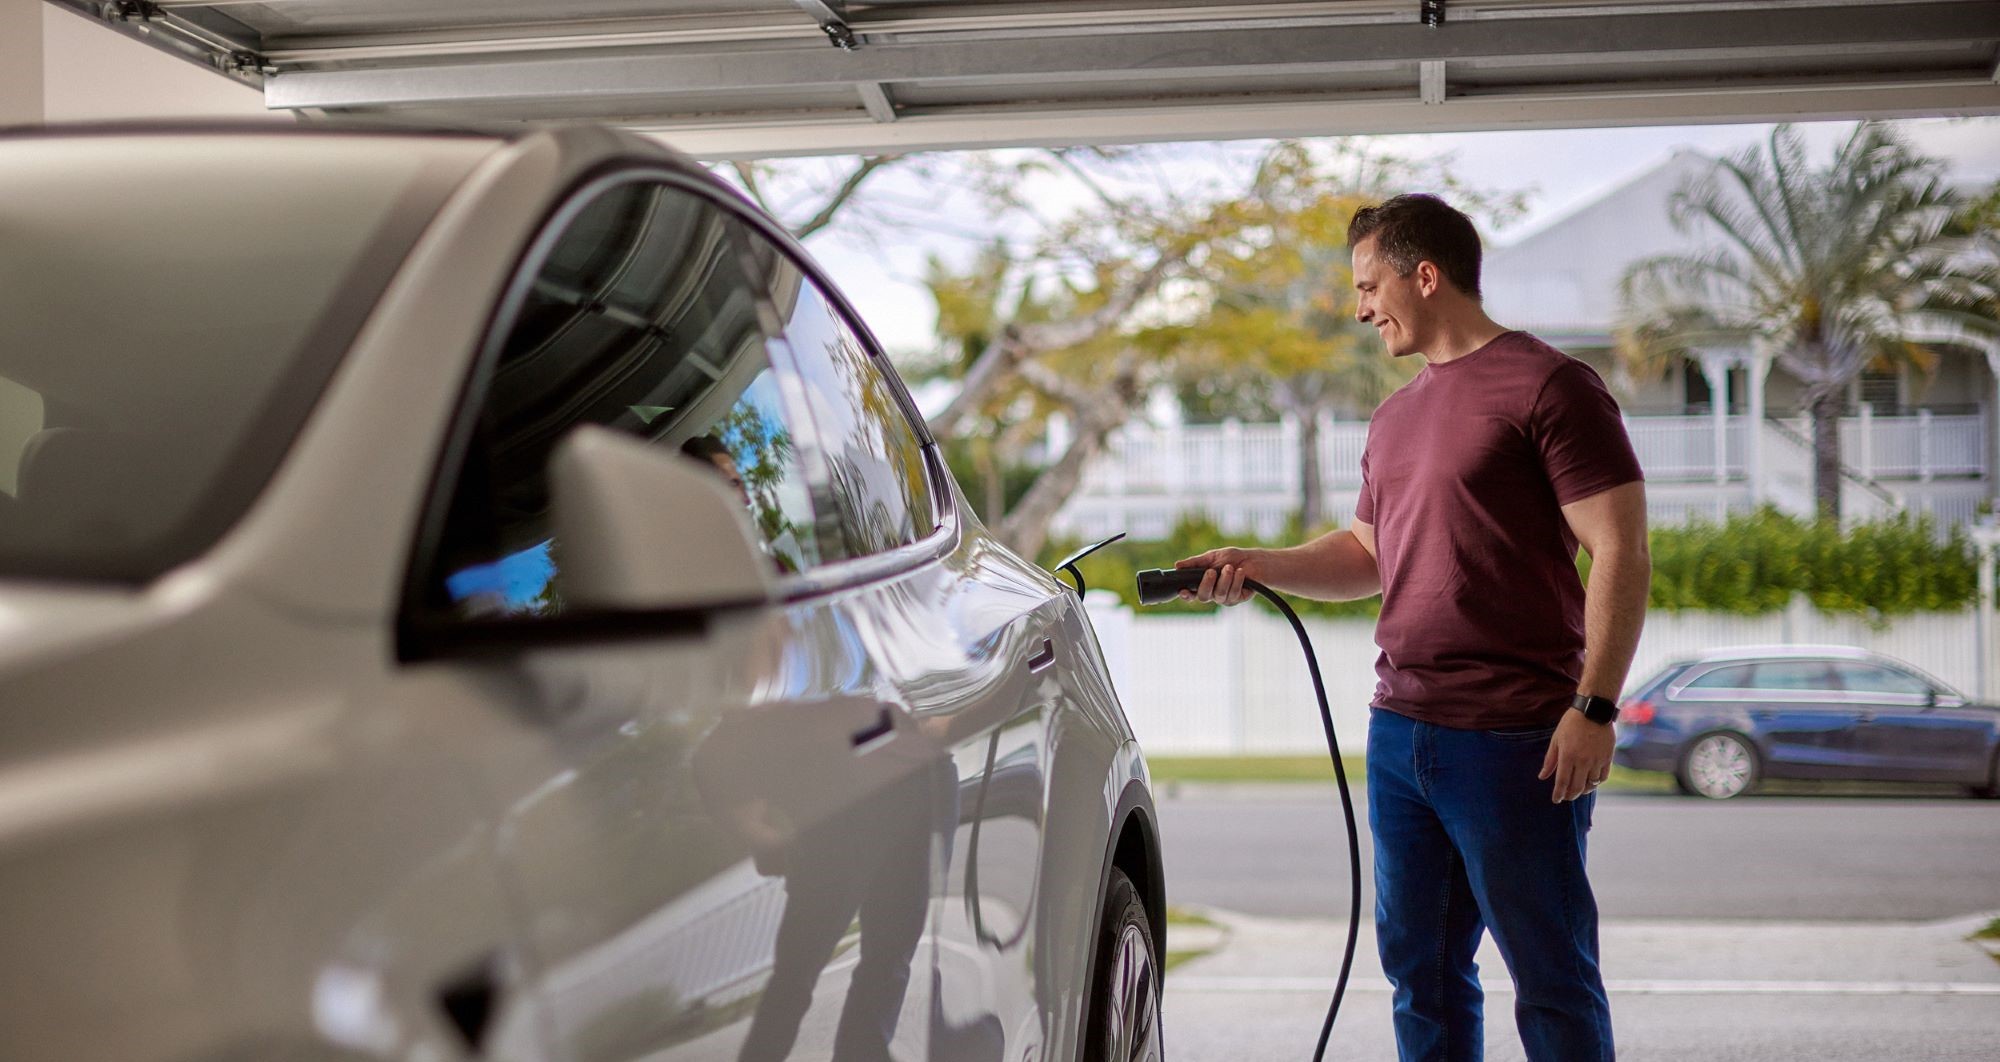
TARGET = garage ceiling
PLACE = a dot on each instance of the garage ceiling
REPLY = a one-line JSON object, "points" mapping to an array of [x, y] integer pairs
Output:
{"points": [[724, 78]]}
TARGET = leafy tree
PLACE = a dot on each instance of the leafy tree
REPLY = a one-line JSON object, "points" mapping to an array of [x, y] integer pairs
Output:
{"points": [[1833, 268], [1069, 318], [1964, 310], [1243, 290], [809, 195], [1281, 324]]}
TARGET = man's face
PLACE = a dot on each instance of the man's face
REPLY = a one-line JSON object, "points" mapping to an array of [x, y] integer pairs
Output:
{"points": [[1394, 305], [726, 465]]}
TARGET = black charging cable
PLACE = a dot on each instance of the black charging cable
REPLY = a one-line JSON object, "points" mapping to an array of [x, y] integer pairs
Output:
{"points": [[1158, 586]]}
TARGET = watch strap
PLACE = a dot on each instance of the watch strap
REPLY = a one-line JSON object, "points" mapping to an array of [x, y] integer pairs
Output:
{"points": [[1595, 709]]}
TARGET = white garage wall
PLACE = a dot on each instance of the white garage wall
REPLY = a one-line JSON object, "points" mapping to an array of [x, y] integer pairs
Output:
{"points": [[1234, 681], [20, 61], [58, 66]]}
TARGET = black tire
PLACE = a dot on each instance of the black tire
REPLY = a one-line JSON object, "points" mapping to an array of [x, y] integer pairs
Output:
{"points": [[1124, 1024], [1718, 765]]}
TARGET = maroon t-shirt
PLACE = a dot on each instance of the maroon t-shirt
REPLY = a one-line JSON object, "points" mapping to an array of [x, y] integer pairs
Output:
{"points": [[1464, 475]]}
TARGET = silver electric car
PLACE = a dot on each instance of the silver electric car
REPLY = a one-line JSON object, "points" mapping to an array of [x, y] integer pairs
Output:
{"points": [[487, 596]]}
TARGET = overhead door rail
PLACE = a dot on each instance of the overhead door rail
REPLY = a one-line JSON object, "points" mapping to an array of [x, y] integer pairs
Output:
{"points": [[730, 77], [196, 33]]}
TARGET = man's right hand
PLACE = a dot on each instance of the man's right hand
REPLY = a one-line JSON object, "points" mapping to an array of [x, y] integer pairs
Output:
{"points": [[1227, 568]]}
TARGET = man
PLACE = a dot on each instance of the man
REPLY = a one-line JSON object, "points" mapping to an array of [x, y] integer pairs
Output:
{"points": [[710, 451], [1490, 726], [783, 546]]}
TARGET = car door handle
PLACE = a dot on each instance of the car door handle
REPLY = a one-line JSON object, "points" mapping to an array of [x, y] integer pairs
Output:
{"points": [[876, 734], [1866, 717], [1762, 713], [1043, 660]]}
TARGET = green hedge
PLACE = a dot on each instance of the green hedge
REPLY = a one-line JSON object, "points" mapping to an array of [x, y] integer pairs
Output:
{"points": [[1754, 563], [1750, 565]]}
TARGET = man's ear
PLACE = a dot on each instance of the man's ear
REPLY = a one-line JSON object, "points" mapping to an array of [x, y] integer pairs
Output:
{"points": [[1428, 278]]}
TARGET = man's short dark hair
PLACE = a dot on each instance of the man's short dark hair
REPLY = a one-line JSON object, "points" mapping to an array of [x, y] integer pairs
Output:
{"points": [[1421, 228], [705, 448]]}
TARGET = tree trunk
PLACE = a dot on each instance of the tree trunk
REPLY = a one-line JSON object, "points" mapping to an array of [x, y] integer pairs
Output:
{"points": [[1312, 486], [1096, 413], [1825, 411], [1016, 343], [982, 378], [1026, 529]]}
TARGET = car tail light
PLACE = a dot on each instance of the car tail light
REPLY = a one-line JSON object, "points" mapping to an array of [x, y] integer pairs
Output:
{"points": [[1638, 713]]}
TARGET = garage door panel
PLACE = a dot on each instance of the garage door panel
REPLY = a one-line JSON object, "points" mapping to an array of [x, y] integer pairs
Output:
{"points": [[299, 21], [906, 74]]}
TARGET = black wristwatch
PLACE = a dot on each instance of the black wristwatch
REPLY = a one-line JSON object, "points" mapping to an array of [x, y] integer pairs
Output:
{"points": [[1595, 709]]}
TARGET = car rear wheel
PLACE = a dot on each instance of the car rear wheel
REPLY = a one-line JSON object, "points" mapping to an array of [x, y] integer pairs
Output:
{"points": [[1125, 1000], [1718, 766]]}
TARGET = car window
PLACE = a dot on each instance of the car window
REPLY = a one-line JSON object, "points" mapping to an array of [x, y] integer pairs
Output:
{"points": [[643, 320], [1874, 678], [1654, 681], [1769, 675], [1725, 678], [874, 459], [171, 309], [1792, 675]]}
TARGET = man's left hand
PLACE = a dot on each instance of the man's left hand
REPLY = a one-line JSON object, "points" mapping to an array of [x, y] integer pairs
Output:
{"points": [[1579, 756]]}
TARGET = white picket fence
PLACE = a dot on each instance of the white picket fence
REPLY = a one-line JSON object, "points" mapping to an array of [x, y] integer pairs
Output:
{"points": [[1245, 477], [1234, 681]]}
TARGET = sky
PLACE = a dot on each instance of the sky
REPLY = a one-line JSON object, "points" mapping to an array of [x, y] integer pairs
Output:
{"points": [[1557, 171]]}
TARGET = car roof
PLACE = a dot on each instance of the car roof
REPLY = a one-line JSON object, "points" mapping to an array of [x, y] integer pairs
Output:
{"points": [[1765, 652], [1807, 652], [578, 140]]}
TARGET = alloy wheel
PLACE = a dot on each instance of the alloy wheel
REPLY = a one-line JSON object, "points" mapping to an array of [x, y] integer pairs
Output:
{"points": [[1720, 767], [1134, 1031]]}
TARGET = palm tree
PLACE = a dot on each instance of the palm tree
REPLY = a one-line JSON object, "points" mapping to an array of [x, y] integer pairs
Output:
{"points": [[1833, 269]]}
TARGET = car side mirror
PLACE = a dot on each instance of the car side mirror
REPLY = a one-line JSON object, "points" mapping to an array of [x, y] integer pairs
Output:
{"points": [[640, 528], [1930, 697]]}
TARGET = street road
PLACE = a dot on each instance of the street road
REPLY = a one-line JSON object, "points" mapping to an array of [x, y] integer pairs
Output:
{"points": [[1758, 929], [1276, 850]]}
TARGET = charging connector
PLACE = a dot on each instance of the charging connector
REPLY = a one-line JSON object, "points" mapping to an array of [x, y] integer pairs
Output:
{"points": [[1160, 585]]}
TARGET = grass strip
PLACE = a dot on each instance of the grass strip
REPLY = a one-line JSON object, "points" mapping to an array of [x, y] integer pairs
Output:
{"points": [[1168, 770]]}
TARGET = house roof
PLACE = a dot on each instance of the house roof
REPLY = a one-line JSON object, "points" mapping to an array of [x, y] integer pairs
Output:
{"points": [[1561, 281]]}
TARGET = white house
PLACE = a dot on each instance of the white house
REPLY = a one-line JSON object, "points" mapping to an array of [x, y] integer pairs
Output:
{"points": [[1722, 432]]}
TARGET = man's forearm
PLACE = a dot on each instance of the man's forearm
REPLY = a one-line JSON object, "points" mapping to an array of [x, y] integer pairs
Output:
{"points": [[1614, 610], [1332, 567]]}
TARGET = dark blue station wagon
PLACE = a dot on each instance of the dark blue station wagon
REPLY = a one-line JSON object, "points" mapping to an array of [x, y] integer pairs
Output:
{"points": [[1726, 720]]}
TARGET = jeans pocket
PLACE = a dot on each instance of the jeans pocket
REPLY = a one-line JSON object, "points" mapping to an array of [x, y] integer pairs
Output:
{"points": [[1524, 734]]}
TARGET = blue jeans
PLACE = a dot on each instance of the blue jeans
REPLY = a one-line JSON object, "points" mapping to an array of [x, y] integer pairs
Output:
{"points": [[1467, 840]]}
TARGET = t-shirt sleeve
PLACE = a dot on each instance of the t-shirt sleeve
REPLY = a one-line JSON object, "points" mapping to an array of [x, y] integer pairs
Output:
{"points": [[1582, 441], [1364, 505]]}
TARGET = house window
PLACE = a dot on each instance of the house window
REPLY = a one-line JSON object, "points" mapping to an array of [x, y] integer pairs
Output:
{"points": [[1882, 390], [1696, 390]]}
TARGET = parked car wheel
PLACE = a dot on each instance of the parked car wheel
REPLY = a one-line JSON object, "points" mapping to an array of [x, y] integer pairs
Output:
{"points": [[1718, 766], [1125, 1000]]}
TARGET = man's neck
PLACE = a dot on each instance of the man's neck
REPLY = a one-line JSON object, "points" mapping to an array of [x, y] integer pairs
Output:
{"points": [[1461, 334]]}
